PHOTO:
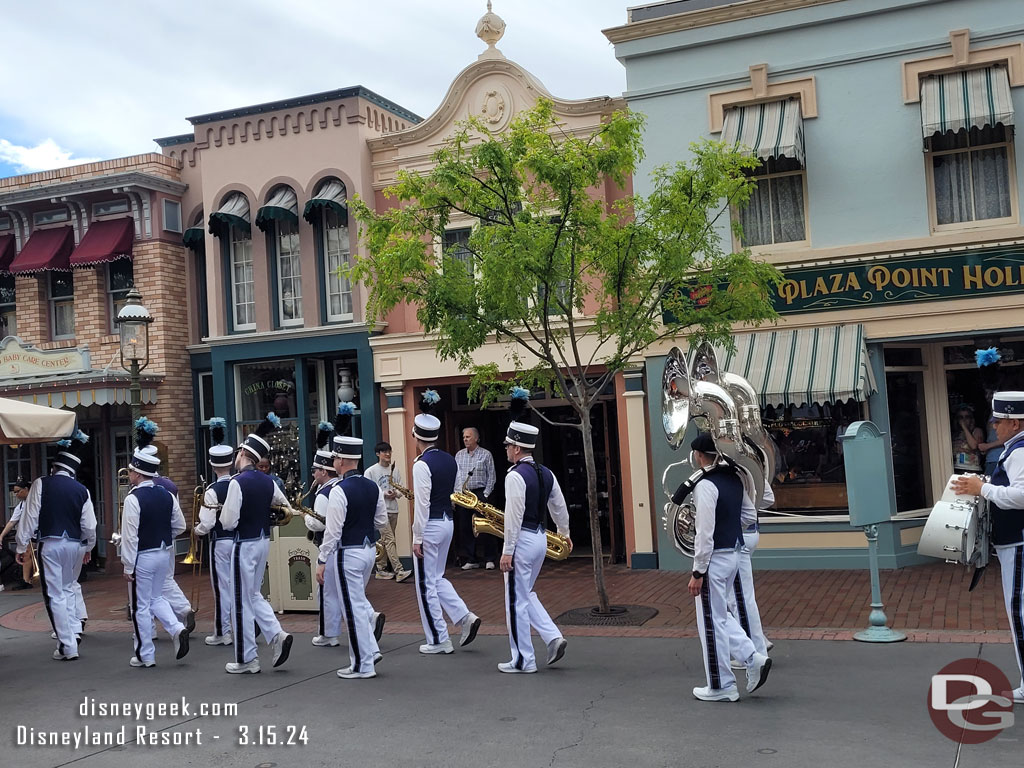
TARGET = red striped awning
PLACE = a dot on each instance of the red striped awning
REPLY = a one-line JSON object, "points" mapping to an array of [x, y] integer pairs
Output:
{"points": [[105, 241], [46, 249], [6, 252]]}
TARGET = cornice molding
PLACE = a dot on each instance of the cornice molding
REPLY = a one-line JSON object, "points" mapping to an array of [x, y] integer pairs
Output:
{"points": [[93, 184], [705, 18]]}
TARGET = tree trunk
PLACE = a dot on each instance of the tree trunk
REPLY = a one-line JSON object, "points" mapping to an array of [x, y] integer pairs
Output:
{"points": [[595, 521]]}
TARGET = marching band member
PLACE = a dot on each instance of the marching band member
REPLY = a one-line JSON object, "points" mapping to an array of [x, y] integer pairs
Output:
{"points": [[20, 488], [325, 478], [355, 515], [150, 521], [1005, 495], [221, 542], [433, 477], [246, 512], [744, 615], [145, 432], [530, 491], [61, 509], [722, 510]]}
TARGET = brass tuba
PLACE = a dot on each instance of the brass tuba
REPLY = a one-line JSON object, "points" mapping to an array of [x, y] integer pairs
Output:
{"points": [[489, 519]]}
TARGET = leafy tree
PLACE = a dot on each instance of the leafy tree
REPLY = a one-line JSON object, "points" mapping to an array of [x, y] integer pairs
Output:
{"points": [[575, 287]]}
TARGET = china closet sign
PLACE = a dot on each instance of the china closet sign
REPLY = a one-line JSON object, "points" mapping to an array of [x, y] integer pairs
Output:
{"points": [[902, 281], [270, 385]]}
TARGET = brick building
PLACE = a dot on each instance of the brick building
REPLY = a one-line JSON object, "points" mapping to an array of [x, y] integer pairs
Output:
{"points": [[73, 241]]}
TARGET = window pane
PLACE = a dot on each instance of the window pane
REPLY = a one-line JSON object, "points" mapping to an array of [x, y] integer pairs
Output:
{"points": [[120, 275], [8, 324], [7, 289], [336, 255], [756, 218], [990, 172], [61, 284], [788, 208], [952, 178], [64, 318]]}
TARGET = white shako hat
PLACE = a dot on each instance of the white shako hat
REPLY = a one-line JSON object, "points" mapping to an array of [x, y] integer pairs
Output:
{"points": [[67, 458], [426, 426], [220, 455], [323, 458], [345, 446], [256, 444], [519, 431], [144, 460], [1008, 405]]}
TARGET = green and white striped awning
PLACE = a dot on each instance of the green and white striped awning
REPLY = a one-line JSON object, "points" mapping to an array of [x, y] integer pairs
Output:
{"points": [[965, 100], [194, 237], [814, 365], [770, 130], [283, 205], [330, 195], [234, 213]]}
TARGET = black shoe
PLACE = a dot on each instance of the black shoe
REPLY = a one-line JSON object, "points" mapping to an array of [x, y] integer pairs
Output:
{"points": [[181, 643], [190, 621], [378, 627], [21, 585]]}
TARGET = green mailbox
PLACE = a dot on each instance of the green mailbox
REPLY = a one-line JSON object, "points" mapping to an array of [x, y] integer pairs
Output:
{"points": [[867, 474], [872, 500]]}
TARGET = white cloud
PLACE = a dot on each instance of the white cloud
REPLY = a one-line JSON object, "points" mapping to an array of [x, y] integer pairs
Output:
{"points": [[45, 156], [118, 73]]}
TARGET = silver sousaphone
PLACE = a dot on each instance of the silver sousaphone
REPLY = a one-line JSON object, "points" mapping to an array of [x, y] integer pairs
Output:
{"points": [[726, 405]]}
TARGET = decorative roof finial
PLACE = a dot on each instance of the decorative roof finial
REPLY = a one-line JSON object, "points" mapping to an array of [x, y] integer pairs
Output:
{"points": [[490, 29]]}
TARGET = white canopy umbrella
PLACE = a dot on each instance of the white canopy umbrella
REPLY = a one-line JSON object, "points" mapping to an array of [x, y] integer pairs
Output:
{"points": [[29, 423]]}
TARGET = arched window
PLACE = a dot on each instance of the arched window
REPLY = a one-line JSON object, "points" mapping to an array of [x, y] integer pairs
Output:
{"points": [[328, 211], [231, 224], [279, 219]]}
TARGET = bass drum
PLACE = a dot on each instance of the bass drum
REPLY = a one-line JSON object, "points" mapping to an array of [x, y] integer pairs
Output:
{"points": [[957, 532]]}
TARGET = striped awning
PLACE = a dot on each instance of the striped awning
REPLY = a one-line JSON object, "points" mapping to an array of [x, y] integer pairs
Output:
{"points": [[814, 365], [770, 130], [283, 205], [971, 99], [234, 213], [330, 195]]}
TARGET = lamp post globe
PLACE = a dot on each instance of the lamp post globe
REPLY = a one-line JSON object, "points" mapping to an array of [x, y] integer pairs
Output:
{"points": [[133, 324]]}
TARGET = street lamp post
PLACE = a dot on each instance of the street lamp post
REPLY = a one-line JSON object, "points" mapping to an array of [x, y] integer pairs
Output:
{"points": [[133, 322]]}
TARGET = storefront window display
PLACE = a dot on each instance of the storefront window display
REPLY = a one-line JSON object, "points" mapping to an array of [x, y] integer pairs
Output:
{"points": [[810, 474]]}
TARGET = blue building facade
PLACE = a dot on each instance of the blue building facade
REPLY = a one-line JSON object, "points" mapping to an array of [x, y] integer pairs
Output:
{"points": [[889, 197]]}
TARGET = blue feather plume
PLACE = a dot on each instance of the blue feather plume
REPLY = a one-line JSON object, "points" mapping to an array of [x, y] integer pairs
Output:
{"points": [[430, 397], [325, 426], [346, 409], [218, 423], [520, 393], [65, 443], [987, 356], [273, 419], [80, 436], [146, 425]]}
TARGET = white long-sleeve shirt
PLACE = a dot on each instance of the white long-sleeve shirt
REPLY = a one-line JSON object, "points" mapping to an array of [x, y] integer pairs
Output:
{"points": [[208, 513], [1009, 496], [515, 508], [30, 517], [705, 496], [18, 510], [320, 507], [233, 503], [130, 526], [422, 482], [337, 511]]}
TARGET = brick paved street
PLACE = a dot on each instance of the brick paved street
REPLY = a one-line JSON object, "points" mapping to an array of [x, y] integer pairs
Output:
{"points": [[930, 602]]}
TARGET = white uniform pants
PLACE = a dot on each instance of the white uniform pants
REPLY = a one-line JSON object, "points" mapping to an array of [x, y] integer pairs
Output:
{"points": [[172, 592], [148, 601], [80, 613], [353, 566], [523, 608], [331, 610], [744, 616], [56, 575], [712, 619], [1011, 566], [434, 592], [248, 564], [220, 578]]}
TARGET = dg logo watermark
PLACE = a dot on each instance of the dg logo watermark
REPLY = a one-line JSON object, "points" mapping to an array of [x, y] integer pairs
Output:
{"points": [[970, 701]]}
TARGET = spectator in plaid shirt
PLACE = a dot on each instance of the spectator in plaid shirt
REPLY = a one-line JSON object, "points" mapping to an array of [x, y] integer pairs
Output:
{"points": [[476, 464]]}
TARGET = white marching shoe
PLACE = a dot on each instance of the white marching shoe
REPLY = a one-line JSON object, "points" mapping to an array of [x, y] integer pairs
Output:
{"points": [[470, 626], [378, 625], [556, 650], [234, 668], [218, 640], [135, 661], [181, 643], [510, 667], [378, 657], [757, 672], [58, 656], [282, 647], [1018, 695], [325, 641], [348, 674], [707, 693], [445, 647]]}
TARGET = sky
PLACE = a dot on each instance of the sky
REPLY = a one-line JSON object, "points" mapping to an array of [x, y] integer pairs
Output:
{"points": [[102, 79]]}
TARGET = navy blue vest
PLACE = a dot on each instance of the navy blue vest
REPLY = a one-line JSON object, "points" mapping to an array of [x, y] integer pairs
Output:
{"points": [[1007, 524], [443, 470], [220, 490], [156, 506], [60, 507], [538, 489], [728, 530], [166, 483], [257, 496], [362, 495]]}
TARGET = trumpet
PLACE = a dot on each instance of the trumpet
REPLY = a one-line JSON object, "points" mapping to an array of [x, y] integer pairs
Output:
{"points": [[489, 519], [193, 540]]}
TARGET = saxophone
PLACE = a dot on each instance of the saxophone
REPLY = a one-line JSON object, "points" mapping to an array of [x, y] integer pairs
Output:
{"points": [[489, 519]]}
